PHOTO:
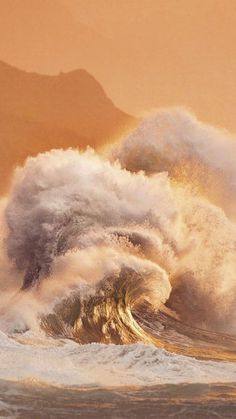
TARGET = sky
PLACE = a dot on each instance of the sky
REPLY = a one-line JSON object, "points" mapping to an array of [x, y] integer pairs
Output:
{"points": [[146, 53]]}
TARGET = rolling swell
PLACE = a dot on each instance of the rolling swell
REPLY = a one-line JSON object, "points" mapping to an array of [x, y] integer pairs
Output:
{"points": [[122, 256]]}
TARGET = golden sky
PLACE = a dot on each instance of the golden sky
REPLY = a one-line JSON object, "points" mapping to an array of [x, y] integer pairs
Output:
{"points": [[145, 53]]}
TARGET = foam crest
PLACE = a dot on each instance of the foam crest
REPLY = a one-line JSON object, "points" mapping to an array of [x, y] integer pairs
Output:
{"points": [[153, 224], [193, 153]]}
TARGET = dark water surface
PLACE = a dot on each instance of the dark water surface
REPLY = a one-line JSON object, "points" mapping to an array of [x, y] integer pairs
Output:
{"points": [[165, 401]]}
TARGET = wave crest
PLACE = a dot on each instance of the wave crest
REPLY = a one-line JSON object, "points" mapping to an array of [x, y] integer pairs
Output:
{"points": [[100, 241]]}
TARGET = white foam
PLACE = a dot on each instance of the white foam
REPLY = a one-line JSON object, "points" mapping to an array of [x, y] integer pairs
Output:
{"points": [[68, 364]]}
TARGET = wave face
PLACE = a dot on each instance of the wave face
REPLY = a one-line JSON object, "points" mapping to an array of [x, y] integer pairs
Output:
{"points": [[133, 245]]}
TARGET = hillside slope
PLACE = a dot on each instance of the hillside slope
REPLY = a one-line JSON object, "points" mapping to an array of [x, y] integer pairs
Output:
{"points": [[40, 112]]}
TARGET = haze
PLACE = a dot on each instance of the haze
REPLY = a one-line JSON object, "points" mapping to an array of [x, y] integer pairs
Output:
{"points": [[146, 54]]}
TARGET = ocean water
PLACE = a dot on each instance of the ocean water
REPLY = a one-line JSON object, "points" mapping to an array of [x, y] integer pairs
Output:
{"points": [[177, 401]]}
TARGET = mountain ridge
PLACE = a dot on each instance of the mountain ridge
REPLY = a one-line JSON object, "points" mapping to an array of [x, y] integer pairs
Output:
{"points": [[40, 112]]}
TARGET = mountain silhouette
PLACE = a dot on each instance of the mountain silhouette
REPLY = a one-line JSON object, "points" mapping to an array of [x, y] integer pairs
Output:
{"points": [[39, 112]]}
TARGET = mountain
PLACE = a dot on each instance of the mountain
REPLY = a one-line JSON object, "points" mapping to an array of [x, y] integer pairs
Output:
{"points": [[148, 54], [39, 112], [46, 37]]}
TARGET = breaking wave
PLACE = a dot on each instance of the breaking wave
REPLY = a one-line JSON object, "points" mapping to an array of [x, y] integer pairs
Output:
{"points": [[133, 244]]}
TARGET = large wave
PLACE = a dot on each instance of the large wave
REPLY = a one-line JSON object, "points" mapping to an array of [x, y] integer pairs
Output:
{"points": [[109, 247]]}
